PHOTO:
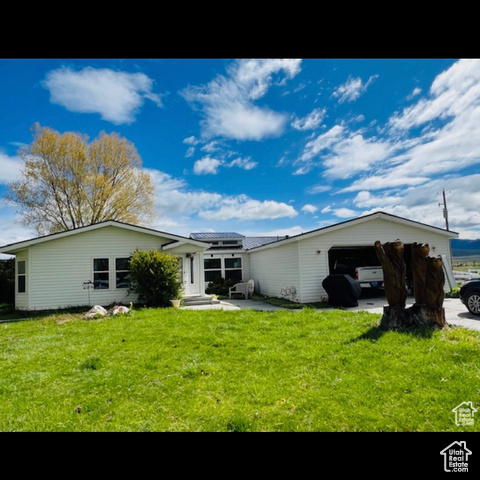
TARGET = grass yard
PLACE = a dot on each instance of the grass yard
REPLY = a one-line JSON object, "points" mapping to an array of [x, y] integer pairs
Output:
{"points": [[179, 370]]}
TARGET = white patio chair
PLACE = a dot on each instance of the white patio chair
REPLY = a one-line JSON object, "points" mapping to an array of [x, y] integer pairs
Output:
{"points": [[242, 288]]}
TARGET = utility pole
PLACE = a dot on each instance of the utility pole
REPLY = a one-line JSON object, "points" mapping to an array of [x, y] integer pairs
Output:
{"points": [[445, 209]]}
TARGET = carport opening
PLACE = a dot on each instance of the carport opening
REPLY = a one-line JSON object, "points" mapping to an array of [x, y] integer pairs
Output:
{"points": [[344, 259]]}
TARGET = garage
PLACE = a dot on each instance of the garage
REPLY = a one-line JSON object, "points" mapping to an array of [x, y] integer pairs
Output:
{"points": [[303, 261], [345, 259]]}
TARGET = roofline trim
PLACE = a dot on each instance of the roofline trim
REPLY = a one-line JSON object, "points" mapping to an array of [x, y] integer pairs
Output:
{"points": [[357, 220], [94, 226]]}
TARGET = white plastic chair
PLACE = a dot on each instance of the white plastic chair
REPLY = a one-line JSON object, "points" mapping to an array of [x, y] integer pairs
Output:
{"points": [[242, 288]]}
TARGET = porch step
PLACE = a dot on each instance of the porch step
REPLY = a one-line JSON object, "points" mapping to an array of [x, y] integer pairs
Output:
{"points": [[199, 300]]}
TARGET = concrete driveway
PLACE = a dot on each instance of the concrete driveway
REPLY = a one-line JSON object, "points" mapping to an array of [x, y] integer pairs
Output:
{"points": [[455, 312]]}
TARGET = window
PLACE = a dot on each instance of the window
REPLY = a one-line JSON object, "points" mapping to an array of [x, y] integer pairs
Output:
{"points": [[192, 276], [233, 269], [100, 274], [122, 272], [180, 269], [22, 276], [229, 268], [213, 268]]}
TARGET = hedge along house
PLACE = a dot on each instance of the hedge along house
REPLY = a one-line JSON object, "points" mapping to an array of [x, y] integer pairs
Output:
{"points": [[296, 266], [89, 265]]}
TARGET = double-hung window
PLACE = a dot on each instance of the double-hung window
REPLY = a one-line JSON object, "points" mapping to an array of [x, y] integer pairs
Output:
{"points": [[233, 269], [122, 273], [101, 273], [22, 276], [213, 268]]}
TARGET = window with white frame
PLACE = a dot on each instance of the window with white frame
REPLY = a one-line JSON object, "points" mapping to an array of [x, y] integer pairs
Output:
{"points": [[122, 272], [227, 267], [233, 268], [101, 274], [21, 276], [213, 268]]}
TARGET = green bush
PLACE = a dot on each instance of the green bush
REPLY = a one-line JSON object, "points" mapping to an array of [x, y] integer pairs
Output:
{"points": [[220, 286], [453, 293], [155, 277]]}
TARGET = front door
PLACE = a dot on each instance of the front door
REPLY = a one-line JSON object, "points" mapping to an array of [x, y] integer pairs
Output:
{"points": [[189, 272]]}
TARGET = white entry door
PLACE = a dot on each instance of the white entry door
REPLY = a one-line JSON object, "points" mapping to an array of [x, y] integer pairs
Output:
{"points": [[190, 273]]}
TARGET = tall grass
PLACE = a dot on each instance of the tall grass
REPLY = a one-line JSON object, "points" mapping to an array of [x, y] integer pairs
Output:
{"points": [[184, 370]]}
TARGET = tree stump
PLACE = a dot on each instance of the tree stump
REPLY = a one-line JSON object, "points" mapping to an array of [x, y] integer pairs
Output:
{"points": [[390, 256], [414, 316], [428, 283]]}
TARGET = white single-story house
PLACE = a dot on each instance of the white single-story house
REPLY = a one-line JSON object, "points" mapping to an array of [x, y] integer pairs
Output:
{"points": [[88, 265], [51, 271], [300, 263]]}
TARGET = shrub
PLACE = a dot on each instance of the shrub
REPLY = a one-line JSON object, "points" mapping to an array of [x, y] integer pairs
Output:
{"points": [[220, 286], [453, 293], [155, 277]]}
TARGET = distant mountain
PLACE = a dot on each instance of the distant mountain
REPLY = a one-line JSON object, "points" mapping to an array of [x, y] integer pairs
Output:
{"points": [[465, 248]]}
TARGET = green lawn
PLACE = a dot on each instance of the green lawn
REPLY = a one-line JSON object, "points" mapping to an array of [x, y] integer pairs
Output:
{"points": [[186, 370]]}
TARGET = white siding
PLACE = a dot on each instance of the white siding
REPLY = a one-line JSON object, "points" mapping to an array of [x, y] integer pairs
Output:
{"points": [[306, 269], [59, 267], [275, 269]]}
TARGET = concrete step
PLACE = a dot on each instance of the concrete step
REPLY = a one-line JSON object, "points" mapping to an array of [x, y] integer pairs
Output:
{"points": [[199, 300]]}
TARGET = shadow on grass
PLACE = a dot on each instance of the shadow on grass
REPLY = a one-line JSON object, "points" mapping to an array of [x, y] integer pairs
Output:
{"points": [[375, 333]]}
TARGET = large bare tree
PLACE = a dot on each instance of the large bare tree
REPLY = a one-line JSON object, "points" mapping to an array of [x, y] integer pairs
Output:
{"points": [[67, 182]]}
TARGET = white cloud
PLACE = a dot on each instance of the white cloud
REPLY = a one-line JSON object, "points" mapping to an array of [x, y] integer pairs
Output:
{"points": [[341, 153], [207, 166], [352, 89], [15, 232], [245, 163], [308, 208], [453, 91], [311, 121], [244, 208], [315, 189], [345, 212], [177, 205], [10, 168], [116, 96], [190, 140], [228, 101]]}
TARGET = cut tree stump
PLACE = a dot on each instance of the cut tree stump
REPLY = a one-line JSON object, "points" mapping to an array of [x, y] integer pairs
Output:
{"points": [[414, 316]]}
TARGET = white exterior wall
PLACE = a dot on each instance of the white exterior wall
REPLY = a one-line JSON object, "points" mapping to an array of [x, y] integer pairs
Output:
{"points": [[275, 272], [58, 268], [274, 269]]}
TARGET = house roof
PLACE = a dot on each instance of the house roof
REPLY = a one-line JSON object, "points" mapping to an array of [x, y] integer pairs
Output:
{"points": [[359, 220], [247, 242], [253, 242], [216, 236], [175, 240]]}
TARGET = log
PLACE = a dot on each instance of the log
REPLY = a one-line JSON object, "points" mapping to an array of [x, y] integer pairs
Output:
{"points": [[390, 256], [414, 316], [419, 270]]}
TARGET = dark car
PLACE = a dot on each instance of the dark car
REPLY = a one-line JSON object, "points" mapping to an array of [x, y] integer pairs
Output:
{"points": [[470, 295]]}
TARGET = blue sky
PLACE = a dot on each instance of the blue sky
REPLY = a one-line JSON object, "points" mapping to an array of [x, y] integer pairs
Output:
{"points": [[265, 146]]}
